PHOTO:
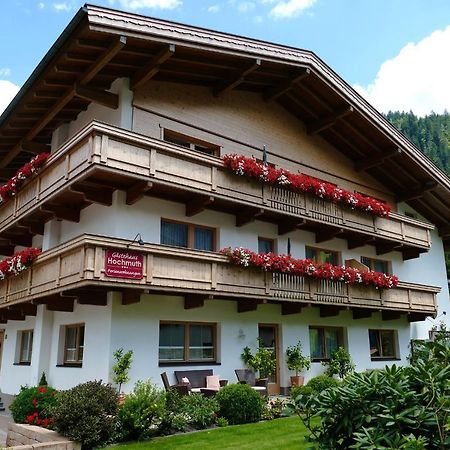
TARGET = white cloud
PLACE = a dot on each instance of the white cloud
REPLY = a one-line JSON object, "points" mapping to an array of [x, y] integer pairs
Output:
{"points": [[5, 71], [258, 19], [150, 4], [214, 9], [64, 6], [244, 7], [417, 79], [41, 5], [290, 8], [7, 92]]}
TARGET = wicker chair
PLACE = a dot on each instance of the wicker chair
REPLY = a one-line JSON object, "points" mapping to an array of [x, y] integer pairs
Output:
{"points": [[183, 389], [247, 376]]}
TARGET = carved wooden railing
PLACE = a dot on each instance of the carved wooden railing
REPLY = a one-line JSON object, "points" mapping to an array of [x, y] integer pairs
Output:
{"points": [[81, 262], [100, 147]]}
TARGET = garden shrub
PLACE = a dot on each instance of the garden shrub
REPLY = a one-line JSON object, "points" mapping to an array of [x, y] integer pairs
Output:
{"points": [[340, 363], [274, 409], [314, 386], [395, 408], [239, 403], [33, 406], [87, 413], [142, 412]]}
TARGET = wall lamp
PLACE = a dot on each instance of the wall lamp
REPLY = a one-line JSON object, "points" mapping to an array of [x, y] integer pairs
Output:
{"points": [[138, 239]]}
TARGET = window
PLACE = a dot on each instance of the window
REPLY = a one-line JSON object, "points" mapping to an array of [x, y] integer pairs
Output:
{"points": [[191, 142], [187, 342], [383, 344], [266, 245], [74, 344], [377, 265], [26, 346], [188, 235], [320, 255], [324, 340]]}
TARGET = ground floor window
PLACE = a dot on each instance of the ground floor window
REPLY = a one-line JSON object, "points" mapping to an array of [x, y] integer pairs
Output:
{"points": [[383, 344], [26, 346], [324, 340], [74, 344], [187, 342]]}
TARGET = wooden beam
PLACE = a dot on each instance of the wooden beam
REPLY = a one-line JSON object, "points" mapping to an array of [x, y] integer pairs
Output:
{"points": [[376, 160], [326, 234], [198, 204], [130, 296], [329, 311], [237, 79], [291, 308], [274, 92], [390, 315], [192, 301], [361, 313], [328, 121], [248, 215], [359, 241], [6, 249], [444, 231], [104, 98], [382, 249], [18, 239], [94, 194], [34, 147], [411, 253], [9, 314], [137, 191], [417, 192], [290, 225], [152, 67], [25, 309], [56, 302], [33, 227], [416, 317], [246, 305], [87, 296], [62, 212]]}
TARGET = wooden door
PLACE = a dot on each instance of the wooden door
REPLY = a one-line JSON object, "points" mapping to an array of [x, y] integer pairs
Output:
{"points": [[268, 336]]}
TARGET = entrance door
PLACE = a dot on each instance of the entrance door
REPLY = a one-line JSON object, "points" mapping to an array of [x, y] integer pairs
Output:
{"points": [[2, 338], [268, 337]]}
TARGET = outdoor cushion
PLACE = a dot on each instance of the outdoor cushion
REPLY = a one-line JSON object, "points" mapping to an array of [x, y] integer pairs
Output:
{"points": [[196, 390], [212, 382]]}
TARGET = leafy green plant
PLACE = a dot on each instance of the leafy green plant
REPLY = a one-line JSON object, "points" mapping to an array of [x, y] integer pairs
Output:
{"points": [[43, 380], [239, 403], [87, 413], [295, 359], [122, 366], [340, 363], [142, 412], [262, 361], [314, 386], [34, 406]]}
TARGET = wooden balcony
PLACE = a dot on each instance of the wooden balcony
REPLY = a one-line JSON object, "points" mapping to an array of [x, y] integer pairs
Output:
{"points": [[76, 270], [102, 158]]}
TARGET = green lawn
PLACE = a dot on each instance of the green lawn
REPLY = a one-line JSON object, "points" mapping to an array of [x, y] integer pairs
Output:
{"points": [[288, 433]]}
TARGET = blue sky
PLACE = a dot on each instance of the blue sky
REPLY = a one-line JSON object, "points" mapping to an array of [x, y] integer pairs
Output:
{"points": [[390, 50]]}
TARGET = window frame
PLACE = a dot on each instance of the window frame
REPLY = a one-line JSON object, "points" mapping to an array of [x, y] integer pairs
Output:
{"points": [[317, 250], [191, 234], [78, 362], [321, 328], [387, 263], [272, 243], [186, 360], [394, 357], [21, 361], [191, 142]]}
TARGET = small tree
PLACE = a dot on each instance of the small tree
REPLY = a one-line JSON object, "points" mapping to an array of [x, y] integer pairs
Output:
{"points": [[43, 380], [295, 359], [340, 364], [122, 366], [263, 361]]}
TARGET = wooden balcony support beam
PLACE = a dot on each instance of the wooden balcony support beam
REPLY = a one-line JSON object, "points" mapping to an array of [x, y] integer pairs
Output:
{"points": [[33, 227], [138, 191], [246, 305], [290, 225], [416, 317], [56, 302], [6, 249], [248, 215], [274, 92], [131, 296], [10, 314], [288, 308], [34, 147], [390, 315], [96, 297], [417, 192], [361, 313], [359, 241], [104, 98], [62, 212], [444, 231], [94, 194], [25, 309], [328, 121], [411, 253], [326, 234], [376, 160], [236, 79], [18, 239], [382, 249], [329, 311], [192, 301], [198, 204], [152, 67]]}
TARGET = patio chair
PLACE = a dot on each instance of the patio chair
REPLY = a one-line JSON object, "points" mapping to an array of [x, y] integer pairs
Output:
{"points": [[183, 389], [247, 376]]}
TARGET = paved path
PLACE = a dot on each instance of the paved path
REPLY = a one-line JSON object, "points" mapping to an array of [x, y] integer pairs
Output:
{"points": [[5, 418]]}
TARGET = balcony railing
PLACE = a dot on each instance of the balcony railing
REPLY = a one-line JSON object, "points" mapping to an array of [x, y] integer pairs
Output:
{"points": [[81, 262], [104, 154]]}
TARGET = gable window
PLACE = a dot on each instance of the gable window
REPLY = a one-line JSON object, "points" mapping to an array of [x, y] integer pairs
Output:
{"points": [[377, 265], [26, 346], [324, 340], [74, 344], [188, 235], [320, 255], [383, 344], [266, 245], [187, 342], [191, 142]]}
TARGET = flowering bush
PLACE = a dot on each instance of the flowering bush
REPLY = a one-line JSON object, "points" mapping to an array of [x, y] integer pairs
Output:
{"points": [[11, 187], [299, 182], [274, 409], [17, 263], [270, 262], [33, 406]]}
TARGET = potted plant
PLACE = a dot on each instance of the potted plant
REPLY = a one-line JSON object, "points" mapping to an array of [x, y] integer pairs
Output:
{"points": [[340, 363], [295, 360], [262, 361], [121, 369]]}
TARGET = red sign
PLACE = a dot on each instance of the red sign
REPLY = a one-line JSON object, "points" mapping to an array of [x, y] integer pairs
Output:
{"points": [[124, 264]]}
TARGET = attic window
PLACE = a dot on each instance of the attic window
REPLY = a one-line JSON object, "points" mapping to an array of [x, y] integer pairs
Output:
{"points": [[191, 143]]}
